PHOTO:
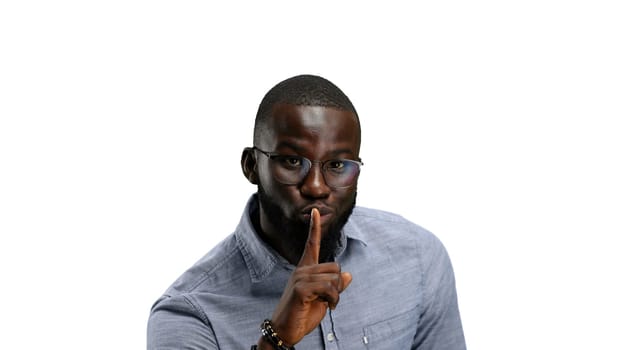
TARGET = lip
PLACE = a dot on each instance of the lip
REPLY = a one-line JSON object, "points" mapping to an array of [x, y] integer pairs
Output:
{"points": [[325, 212]]}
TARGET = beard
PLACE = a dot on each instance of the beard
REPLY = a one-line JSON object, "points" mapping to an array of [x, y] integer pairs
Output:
{"points": [[294, 233]]}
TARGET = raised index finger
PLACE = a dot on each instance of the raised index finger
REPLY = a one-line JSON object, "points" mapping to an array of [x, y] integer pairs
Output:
{"points": [[311, 255]]}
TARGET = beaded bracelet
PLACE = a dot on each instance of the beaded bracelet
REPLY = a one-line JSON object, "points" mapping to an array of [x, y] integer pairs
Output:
{"points": [[272, 337]]}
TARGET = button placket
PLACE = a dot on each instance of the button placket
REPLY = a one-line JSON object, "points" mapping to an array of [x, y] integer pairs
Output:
{"points": [[329, 338]]}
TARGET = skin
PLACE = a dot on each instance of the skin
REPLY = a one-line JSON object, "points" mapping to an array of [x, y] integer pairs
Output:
{"points": [[317, 133]]}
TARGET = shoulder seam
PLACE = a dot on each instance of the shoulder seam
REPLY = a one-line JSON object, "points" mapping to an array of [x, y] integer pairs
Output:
{"points": [[207, 273]]}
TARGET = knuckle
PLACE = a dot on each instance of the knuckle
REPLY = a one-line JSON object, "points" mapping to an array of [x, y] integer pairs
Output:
{"points": [[298, 289], [335, 266]]}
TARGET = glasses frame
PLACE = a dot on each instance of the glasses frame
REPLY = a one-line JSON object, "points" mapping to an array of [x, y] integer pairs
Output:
{"points": [[272, 155]]}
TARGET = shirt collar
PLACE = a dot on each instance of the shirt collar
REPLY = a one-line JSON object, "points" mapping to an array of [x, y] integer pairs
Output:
{"points": [[261, 259]]}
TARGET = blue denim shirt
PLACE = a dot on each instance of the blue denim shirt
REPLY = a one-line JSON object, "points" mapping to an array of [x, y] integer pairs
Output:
{"points": [[402, 294]]}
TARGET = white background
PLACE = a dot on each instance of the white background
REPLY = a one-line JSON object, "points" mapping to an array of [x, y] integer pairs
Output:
{"points": [[494, 124]]}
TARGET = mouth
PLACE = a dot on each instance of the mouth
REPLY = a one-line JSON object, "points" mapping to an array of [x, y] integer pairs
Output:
{"points": [[325, 213]]}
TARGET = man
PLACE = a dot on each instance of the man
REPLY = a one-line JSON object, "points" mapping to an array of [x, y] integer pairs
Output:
{"points": [[305, 268]]}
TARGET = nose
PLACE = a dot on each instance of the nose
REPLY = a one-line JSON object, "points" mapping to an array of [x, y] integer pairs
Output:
{"points": [[314, 185]]}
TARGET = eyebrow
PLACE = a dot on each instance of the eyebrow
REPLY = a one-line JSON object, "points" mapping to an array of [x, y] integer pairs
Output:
{"points": [[298, 149], [290, 145]]}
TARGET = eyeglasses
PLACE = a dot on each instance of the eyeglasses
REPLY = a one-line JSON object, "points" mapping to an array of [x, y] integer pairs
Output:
{"points": [[292, 170]]}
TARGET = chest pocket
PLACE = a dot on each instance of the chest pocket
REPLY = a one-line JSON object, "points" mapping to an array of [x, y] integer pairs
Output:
{"points": [[394, 333]]}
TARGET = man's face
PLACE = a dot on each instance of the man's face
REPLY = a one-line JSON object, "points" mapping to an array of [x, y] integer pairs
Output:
{"points": [[318, 134]]}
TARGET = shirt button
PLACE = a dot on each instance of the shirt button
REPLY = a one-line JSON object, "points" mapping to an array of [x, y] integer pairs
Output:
{"points": [[330, 337]]}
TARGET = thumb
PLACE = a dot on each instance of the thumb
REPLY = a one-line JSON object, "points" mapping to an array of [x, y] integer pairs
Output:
{"points": [[346, 279]]}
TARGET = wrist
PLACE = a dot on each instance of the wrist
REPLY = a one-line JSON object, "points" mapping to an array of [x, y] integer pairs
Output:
{"points": [[262, 344], [270, 337]]}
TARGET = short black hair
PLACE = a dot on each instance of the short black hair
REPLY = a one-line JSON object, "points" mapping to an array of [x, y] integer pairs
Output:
{"points": [[302, 90]]}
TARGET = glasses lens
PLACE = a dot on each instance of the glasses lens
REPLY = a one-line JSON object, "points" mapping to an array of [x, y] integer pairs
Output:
{"points": [[290, 170], [340, 173]]}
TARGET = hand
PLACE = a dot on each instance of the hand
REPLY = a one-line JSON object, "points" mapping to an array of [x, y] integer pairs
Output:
{"points": [[311, 289]]}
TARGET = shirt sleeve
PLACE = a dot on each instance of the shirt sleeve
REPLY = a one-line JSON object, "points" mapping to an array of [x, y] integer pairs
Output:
{"points": [[176, 323], [440, 327]]}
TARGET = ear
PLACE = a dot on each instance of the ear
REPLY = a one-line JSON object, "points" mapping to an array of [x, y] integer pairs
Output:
{"points": [[249, 165]]}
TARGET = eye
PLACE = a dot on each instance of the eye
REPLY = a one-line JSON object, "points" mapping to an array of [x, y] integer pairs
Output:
{"points": [[293, 161], [290, 161], [335, 165]]}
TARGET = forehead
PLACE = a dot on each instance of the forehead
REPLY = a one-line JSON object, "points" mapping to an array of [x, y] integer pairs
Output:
{"points": [[312, 129]]}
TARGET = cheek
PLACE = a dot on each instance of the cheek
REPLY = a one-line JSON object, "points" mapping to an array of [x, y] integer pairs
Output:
{"points": [[345, 198], [282, 195], [266, 181]]}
